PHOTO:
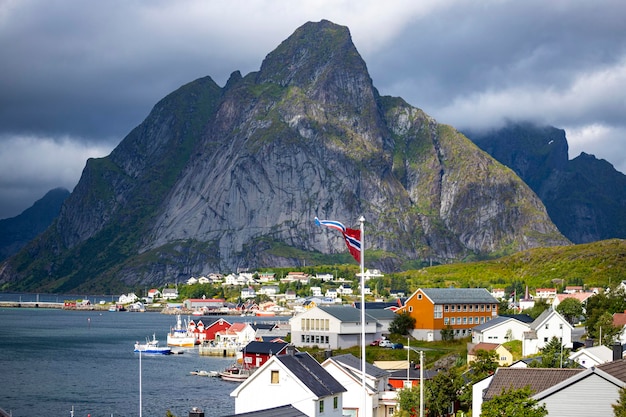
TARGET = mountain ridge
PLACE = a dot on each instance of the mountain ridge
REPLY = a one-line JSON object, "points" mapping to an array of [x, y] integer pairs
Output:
{"points": [[215, 178]]}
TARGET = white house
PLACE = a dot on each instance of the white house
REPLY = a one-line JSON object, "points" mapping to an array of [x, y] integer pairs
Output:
{"points": [[497, 293], [549, 324], [331, 293], [248, 292], [237, 334], [564, 392], [269, 290], [592, 356], [192, 281], [316, 291], [295, 379], [499, 330], [380, 400], [128, 298], [170, 293], [331, 327]]}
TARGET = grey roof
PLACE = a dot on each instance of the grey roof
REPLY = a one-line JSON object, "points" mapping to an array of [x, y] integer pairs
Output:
{"points": [[414, 373], [381, 314], [346, 314], [459, 295], [352, 361], [524, 318], [311, 373], [493, 322], [616, 368], [538, 379], [267, 348], [282, 411]]}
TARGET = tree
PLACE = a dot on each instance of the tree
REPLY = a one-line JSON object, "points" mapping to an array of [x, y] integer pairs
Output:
{"points": [[553, 355], [442, 391], [513, 403], [619, 409], [485, 364], [605, 332], [447, 333], [409, 401], [402, 324], [571, 309]]}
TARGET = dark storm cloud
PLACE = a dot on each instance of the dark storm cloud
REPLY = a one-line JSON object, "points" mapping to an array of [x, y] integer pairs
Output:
{"points": [[77, 76]]}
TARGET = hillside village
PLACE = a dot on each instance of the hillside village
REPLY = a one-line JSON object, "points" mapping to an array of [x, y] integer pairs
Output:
{"points": [[532, 343]]}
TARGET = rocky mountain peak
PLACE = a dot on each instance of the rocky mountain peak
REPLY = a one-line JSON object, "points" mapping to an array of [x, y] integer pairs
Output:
{"points": [[221, 178]]}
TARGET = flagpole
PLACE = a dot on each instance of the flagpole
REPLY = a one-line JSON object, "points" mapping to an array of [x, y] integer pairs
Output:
{"points": [[362, 221]]}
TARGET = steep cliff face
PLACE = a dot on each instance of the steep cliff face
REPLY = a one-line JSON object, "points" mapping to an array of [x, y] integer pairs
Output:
{"points": [[585, 197], [218, 178]]}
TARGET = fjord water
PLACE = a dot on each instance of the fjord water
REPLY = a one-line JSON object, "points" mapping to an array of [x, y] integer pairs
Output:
{"points": [[51, 360]]}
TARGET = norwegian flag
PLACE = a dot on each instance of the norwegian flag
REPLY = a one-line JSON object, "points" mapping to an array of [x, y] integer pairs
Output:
{"points": [[352, 237]]}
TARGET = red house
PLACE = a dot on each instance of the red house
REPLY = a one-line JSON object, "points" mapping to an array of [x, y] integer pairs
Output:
{"points": [[257, 353], [207, 332]]}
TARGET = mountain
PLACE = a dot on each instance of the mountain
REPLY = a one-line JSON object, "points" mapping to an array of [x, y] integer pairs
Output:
{"points": [[585, 197], [215, 179], [17, 231]]}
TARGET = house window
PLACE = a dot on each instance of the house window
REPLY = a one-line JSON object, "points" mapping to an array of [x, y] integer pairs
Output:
{"points": [[326, 324], [482, 319], [471, 320], [464, 320], [274, 377], [545, 339], [390, 411], [321, 406], [476, 307], [446, 308], [458, 307], [419, 296], [488, 307], [438, 311], [482, 307], [471, 307], [546, 327], [410, 309], [452, 307], [336, 402], [464, 307], [476, 320], [446, 321], [560, 326], [452, 321]]}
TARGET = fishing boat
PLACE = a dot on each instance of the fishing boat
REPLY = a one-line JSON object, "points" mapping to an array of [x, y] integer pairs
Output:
{"points": [[152, 347], [236, 373], [180, 335]]}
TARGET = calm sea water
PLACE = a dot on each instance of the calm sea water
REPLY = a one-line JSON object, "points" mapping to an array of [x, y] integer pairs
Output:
{"points": [[52, 360]]}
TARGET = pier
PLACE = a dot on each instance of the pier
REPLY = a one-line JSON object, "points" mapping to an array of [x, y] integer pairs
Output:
{"points": [[30, 304]]}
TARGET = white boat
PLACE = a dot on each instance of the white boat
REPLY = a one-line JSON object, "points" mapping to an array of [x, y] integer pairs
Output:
{"points": [[236, 373], [152, 347], [180, 335]]}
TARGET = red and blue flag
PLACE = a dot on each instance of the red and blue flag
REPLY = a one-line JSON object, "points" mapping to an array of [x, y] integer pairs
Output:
{"points": [[352, 237]]}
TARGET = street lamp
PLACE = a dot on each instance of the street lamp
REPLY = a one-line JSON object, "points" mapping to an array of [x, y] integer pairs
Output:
{"points": [[421, 353]]}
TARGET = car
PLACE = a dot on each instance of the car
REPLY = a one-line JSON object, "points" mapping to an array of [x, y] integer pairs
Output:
{"points": [[375, 342], [397, 346], [385, 343]]}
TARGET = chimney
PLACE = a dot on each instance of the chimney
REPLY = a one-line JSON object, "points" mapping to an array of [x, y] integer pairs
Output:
{"points": [[588, 343], [290, 350], [617, 351], [196, 412]]}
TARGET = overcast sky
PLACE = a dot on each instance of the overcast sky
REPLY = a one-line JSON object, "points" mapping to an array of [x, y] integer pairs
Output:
{"points": [[76, 76]]}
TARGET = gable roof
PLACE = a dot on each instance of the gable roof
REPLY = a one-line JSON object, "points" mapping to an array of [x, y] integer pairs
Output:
{"points": [[538, 379], [575, 378], [543, 317], [266, 348], [345, 314], [458, 295], [484, 346], [601, 353], [616, 368], [351, 361], [282, 411], [495, 322], [524, 318], [311, 374]]}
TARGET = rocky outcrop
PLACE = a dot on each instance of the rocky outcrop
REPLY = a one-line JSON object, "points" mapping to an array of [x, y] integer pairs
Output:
{"points": [[219, 178]]}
